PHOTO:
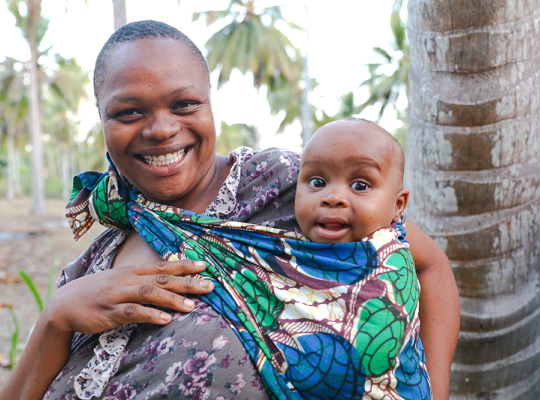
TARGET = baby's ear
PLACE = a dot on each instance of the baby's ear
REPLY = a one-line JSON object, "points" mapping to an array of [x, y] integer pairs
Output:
{"points": [[401, 203]]}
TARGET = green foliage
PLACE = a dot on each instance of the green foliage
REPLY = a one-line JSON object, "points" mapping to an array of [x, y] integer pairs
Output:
{"points": [[390, 79], [31, 285], [63, 86], [236, 135], [22, 19], [14, 331], [287, 101], [251, 42]]}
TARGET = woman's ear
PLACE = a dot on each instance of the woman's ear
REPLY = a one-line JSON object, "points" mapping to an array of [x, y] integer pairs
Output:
{"points": [[401, 203]]}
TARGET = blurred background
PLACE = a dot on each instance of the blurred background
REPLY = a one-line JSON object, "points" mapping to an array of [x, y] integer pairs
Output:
{"points": [[279, 70], [357, 64]]}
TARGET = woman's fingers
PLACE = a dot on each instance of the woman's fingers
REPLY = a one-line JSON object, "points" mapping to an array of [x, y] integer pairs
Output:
{"points": [[151, 293], [182, 267], [182, 284], [139, 314]]}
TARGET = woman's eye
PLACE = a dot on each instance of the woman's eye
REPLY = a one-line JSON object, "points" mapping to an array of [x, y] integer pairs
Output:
{"points": [[359, 186], [317, 182], [183, 105], [128, 115]]}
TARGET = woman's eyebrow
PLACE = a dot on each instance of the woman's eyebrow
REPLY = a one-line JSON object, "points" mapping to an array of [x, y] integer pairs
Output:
{"points": [[122, 98]]}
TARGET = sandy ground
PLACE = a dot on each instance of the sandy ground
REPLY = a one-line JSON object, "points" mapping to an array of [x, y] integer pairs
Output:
{"points": [[33, 244]]}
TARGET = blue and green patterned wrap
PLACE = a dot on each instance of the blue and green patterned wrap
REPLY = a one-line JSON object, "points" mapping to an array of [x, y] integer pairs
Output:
{"points": [[319, 321]]}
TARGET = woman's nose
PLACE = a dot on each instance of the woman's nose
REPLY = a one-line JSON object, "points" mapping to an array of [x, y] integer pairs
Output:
{"points": [[335, 198], [162, 126]]}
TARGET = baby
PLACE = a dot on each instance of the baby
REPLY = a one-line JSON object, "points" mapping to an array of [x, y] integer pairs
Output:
{"points": [[350, 182], [350, 189]]}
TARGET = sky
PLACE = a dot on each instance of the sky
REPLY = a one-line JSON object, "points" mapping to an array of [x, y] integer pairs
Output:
{"points": [[341, 38]]}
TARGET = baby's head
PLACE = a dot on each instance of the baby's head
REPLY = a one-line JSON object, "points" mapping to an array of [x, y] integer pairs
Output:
{"points": [[350, 182]]}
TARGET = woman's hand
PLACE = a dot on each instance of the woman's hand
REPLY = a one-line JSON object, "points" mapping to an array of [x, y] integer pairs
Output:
{"points": [[96, 303], [108, 299]]}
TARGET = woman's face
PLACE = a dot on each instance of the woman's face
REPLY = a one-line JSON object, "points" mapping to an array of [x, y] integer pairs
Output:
{"points": [[159, 129]]}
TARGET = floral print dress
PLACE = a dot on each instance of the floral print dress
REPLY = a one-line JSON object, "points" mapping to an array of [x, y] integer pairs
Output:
{"points": [[196, 356]]}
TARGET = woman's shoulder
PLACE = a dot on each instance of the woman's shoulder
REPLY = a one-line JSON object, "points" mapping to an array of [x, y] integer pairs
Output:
{"points": [[96, 257], [266, 186], [246, 156], [268, 164]]}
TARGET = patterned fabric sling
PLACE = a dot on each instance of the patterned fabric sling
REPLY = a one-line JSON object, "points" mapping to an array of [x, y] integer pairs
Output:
{"points": [[319, 321]]}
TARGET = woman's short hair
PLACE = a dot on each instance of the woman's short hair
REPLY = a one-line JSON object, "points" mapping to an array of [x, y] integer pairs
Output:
{"points": [[141, 30]]}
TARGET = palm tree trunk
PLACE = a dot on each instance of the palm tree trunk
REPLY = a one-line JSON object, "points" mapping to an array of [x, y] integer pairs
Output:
{"points": [[38, 196], [17, 173], [306, 108], [119, 12], [66, 184], [10, 196], [475, 141]]}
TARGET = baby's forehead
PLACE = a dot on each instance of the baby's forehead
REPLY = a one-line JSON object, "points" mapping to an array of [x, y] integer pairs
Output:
{"points": [[357, 134], [354, 139]]}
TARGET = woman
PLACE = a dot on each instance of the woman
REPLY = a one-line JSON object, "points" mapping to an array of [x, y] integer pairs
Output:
{"points": [[153, 93]]}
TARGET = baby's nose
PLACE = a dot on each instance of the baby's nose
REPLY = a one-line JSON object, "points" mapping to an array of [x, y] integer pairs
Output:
{"points": [[335, 198]]}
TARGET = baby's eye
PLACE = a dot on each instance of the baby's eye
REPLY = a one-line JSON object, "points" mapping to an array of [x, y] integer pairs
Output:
{"points": [[317, 183], [359, 186]]}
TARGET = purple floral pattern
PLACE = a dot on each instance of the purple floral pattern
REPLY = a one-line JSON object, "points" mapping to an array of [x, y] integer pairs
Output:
{"points": [[196, 356]]}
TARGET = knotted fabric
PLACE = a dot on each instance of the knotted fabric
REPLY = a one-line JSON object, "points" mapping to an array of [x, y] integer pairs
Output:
{"points": [[319, 321]]}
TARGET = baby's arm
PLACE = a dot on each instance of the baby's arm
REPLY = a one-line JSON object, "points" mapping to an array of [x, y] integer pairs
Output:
{"points": [[439, 308]]}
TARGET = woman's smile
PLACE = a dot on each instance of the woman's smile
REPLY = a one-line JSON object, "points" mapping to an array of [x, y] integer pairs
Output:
{"points": [[164, 160], [162, 163], [158, 122]]}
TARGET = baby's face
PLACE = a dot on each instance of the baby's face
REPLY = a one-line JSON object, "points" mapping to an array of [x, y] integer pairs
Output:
{"points": [[349, 183]]}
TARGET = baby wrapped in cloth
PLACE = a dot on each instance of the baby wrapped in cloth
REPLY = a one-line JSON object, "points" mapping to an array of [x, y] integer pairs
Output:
{"points": [[319, 321]]}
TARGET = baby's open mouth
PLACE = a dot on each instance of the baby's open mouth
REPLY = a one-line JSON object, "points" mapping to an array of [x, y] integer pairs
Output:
{"points": [[333, 226], [164, 159]]}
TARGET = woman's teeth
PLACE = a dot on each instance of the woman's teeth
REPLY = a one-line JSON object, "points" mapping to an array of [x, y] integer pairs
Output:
{"points": [[163, 160]]}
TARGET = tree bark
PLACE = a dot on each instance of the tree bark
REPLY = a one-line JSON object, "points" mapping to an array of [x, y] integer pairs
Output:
{"points": [[120, 13], [10, 195], [475, 148], [38, 196]]}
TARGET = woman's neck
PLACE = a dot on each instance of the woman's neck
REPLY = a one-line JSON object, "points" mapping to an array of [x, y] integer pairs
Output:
{"points": [[205, 193]]}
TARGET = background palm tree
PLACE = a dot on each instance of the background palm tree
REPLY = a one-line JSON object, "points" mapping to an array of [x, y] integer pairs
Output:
{"points": [[474, 137], [66, 88], [389, 80], [235, 135], [119, 13], [33, 28], [251, 42], [13, 119], [286, 100]]}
